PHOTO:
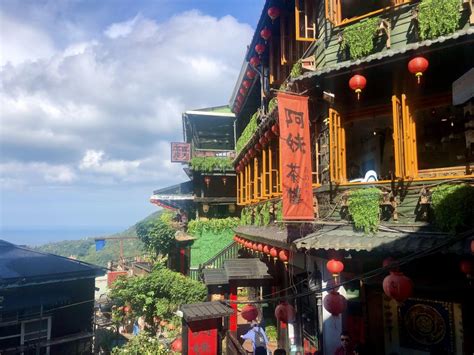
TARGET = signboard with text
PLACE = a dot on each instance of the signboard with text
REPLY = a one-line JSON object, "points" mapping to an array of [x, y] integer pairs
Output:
{"points": [[295, 157], [180, 152]]}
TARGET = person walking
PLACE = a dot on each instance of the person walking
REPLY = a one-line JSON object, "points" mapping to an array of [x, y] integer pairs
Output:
{"points": [[258, 337], [346, 346]]}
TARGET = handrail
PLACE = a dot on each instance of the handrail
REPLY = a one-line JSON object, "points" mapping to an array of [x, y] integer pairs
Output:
{"points": [[225, 253], [234, 346]]}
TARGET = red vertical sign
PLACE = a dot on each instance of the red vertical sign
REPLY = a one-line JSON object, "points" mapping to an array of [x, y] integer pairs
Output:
{"points": [[295, 151]]}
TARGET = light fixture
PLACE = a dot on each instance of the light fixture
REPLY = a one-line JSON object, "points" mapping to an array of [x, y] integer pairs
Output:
{"points": [[205, 208], [232, 208]]}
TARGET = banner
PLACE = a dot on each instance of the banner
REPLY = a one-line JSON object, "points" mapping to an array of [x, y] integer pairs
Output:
{"points": [[295, 158]]}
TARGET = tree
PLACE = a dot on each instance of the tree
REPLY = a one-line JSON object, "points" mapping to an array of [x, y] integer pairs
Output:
{"points": [[156, 235]]}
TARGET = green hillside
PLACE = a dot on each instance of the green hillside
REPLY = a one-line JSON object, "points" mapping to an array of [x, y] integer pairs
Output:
{"points": [[84, 249]]}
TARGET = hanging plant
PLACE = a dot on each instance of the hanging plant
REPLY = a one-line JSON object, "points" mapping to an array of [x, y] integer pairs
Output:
{"points": [[265, 213], [452, 206], [438, 17], [272, 104], [279, 211], [359, 37], [247, 133], [258, 216], [197, 227], [210, 164], [364, 208], [296, 70]]}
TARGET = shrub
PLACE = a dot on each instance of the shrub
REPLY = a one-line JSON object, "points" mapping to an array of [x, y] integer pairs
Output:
{"points": [[364, 209]]}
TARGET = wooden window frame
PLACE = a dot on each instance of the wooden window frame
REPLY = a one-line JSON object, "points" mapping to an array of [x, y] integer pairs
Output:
{"points": [[298, 13], [334, 11]]}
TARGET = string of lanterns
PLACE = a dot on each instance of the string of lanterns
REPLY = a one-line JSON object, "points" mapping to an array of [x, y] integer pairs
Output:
{"points": [[270, 251]]}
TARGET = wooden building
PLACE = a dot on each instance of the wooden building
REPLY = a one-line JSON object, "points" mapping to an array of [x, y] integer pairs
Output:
{"points": [[387, 88], [46, 302]]}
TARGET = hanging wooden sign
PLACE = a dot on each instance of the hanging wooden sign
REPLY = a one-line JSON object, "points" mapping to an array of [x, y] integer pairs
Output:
{"points": [[295, 157]]}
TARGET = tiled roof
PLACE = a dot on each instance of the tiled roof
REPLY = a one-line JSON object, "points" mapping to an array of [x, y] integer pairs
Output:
{"points": [[468, 32], [205, 310], [236, 269], [384, 242], [20, 266], [272, 235]]}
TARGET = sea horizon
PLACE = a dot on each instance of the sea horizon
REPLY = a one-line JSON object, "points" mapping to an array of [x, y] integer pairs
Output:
{"points": [[36, 236]]}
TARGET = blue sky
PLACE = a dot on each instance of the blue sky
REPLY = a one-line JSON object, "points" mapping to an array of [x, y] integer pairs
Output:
{"points": [[92, 93]]}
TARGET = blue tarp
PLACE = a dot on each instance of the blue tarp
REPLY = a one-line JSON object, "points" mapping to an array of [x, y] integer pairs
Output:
{"points": [[99, 244]]}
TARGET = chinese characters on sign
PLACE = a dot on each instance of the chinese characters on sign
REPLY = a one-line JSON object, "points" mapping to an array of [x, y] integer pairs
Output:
{"points": [[295, 157], [180, 152]]}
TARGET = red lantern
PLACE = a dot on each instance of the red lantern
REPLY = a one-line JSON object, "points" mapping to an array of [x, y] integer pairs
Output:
{"points": [[269, 135], [207, 180], [467, 267], [243, 91], [224, 180], [252, 152], [249, 312], [260, 48], [276, 129], [260, 247], [266, 33], [236, 239], [397, 286], [258, 147], [266, 249], [274, 252], [246, 84], [417, 66], [254, 246], [250, 74], [177, 345], [335, 267], [240, 98], [284, 255], [273, 12], [254, 61], [357, 83], [285, 313], [263, 141], [335, 303]]}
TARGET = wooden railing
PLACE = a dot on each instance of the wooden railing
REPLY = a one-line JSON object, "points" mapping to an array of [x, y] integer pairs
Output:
{"points": [[233, 346], [217, 261]]}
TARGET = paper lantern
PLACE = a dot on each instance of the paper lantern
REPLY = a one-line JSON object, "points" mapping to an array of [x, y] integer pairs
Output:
{"points": [[274, 252], [266, 33], [260, 247], [254, 61], [249, 312], [177, 345], [269, 135], [260, 48], [207, 180], [467, 267], [284, 255], [242, 91], [266, 249], [285, 312], [263, 141], [251, 74], [397, 286], [335, 303], [276, 129], [273, 12], [257, 147], [357, 83], [418, 66], [335, 267]]}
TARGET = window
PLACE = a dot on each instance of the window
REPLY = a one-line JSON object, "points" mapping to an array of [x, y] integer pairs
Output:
{"points": [[26, 333], [305, 20], [344, 11]]}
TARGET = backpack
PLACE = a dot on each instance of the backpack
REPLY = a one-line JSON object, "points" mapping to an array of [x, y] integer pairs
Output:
{"points": [[259, 339]]}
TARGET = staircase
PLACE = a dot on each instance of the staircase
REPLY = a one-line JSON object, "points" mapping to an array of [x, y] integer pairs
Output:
{"points": [[217, 261]]}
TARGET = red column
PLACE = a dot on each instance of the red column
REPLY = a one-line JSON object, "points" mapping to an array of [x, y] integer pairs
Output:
{"points": [[233, 297], [182, 263]]}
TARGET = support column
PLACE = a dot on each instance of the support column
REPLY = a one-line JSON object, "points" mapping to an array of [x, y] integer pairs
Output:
{"points": [[233, 297]]}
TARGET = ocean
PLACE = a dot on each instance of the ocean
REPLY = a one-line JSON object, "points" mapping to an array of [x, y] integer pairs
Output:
{"points": [[43, 235]]}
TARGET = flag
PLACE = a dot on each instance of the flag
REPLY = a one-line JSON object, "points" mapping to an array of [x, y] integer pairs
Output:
{"points": [[99, 244]]}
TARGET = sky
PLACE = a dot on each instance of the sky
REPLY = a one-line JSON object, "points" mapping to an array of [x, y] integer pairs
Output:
{"points": [[91, 95]]}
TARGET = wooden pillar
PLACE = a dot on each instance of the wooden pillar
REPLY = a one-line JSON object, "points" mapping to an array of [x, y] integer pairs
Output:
{"points": [[233, 297]]}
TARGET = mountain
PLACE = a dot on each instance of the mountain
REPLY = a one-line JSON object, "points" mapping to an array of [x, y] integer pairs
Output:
{"points": [[84, 249]]}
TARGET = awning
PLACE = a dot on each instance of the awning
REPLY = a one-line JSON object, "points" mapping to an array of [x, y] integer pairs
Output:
{"points": [[237, 270], [173, 197], [383, 242], [272, 235], [205, 310], [464, 33]]}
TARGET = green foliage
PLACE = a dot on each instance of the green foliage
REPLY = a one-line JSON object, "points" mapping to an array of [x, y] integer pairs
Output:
{"points": [[364, 209], [296, 70], [279, 210], [273, 104], [248, 132], [156, 235], [258, 220], [453, 207], [271, 331], [215, 225], [159, 293], [438, 17], [84, 249], [246, 216], [142, 344], [208, 245], [265, 213], [359, 37], [210, 164]]}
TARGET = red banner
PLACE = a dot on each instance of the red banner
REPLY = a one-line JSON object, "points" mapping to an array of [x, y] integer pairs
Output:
{"points": [[295, 157]]}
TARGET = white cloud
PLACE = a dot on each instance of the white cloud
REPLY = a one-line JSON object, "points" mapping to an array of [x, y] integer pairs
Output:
{"points": [[103, 110]]}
